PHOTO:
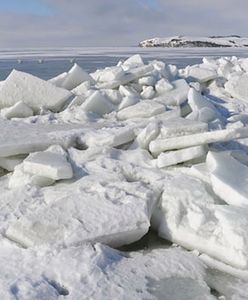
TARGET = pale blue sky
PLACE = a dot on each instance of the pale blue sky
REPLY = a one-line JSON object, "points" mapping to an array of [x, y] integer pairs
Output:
{"points": [[57, 23], [35, 7]]}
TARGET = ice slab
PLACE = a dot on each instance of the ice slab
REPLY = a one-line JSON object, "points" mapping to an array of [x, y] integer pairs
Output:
{"points": [[75, 77], [33, 91], [131, 75], [237, 87], [228, 286], [229, 178], [177, 95], [143, 109], [98, 104], [180, 126], [51, 163], [20, 178], [108, 137], [147, 80], [81, 89], [163, 86], [90, 210], [202, 74], [160, 145], [134, 61], [21, 138], [149, 133], [110, 74], [9, 163], [18, 110], [128, 101], [148, 92], [127, 91], [189, 217], [58, 80], [114, 95], [205, 110], [175, 157], [222, 267], [201, 171]]}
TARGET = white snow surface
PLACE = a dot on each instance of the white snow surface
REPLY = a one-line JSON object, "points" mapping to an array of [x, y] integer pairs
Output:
{"points": [[92, 164]]}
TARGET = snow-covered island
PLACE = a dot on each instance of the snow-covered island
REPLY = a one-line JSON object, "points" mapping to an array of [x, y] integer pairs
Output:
{"points": [[191, 42], [91, 163]]}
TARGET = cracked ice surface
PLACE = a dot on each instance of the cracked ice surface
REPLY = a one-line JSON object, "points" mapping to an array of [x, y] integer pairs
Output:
{"points": [[92, 162]]}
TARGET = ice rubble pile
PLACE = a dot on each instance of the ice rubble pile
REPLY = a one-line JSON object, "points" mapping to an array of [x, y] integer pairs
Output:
{"points": [[102, 157]]}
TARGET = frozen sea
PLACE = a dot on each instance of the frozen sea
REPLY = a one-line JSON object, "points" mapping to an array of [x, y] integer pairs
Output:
{"points": [[137, 165], [47, 63]]}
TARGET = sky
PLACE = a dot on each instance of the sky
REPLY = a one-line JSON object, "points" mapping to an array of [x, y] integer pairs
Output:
{"points": [[86, 23]]}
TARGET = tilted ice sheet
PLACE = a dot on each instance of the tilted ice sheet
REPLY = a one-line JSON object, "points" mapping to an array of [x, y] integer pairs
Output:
{"points": [[229, 178], [33, 91], [191, 217], [21, 138]]}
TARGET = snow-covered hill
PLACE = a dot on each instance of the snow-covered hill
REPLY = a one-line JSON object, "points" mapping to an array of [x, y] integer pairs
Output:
{"points": [[187, 41]]}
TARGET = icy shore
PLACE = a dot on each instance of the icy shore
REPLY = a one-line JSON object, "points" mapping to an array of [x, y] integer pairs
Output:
{"points": [[196, 42], [91, 163]]}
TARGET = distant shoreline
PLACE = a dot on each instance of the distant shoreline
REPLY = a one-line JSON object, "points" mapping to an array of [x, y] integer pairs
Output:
{"points": [[231, 41]]}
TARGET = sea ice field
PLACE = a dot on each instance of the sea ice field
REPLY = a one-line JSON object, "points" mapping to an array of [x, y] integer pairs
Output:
{"points": [[124, 174]]}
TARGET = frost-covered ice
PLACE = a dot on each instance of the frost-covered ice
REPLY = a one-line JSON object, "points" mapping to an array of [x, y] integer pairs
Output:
{"points": [[91, 162]]}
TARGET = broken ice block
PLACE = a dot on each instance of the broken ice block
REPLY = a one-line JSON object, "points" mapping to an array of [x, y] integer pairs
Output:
{"points": [[202, 74], [75, 77], [20, 178], [51, 163], [18, 110], [229, 178], [189, 217], [98, 104], [110, 74], [9, 163], [143, 109], [177, 95], [237, 87], [33, 91], [134, 61], [160, 145], [148, 92], [174, 157], [163, 86], [205, 110]]}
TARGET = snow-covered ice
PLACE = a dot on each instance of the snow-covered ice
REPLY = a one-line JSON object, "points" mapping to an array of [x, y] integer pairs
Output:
{"points": [[93, 162], [170, 158], [51, 163], [18, 110], [33, 91], [231, 188]]}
